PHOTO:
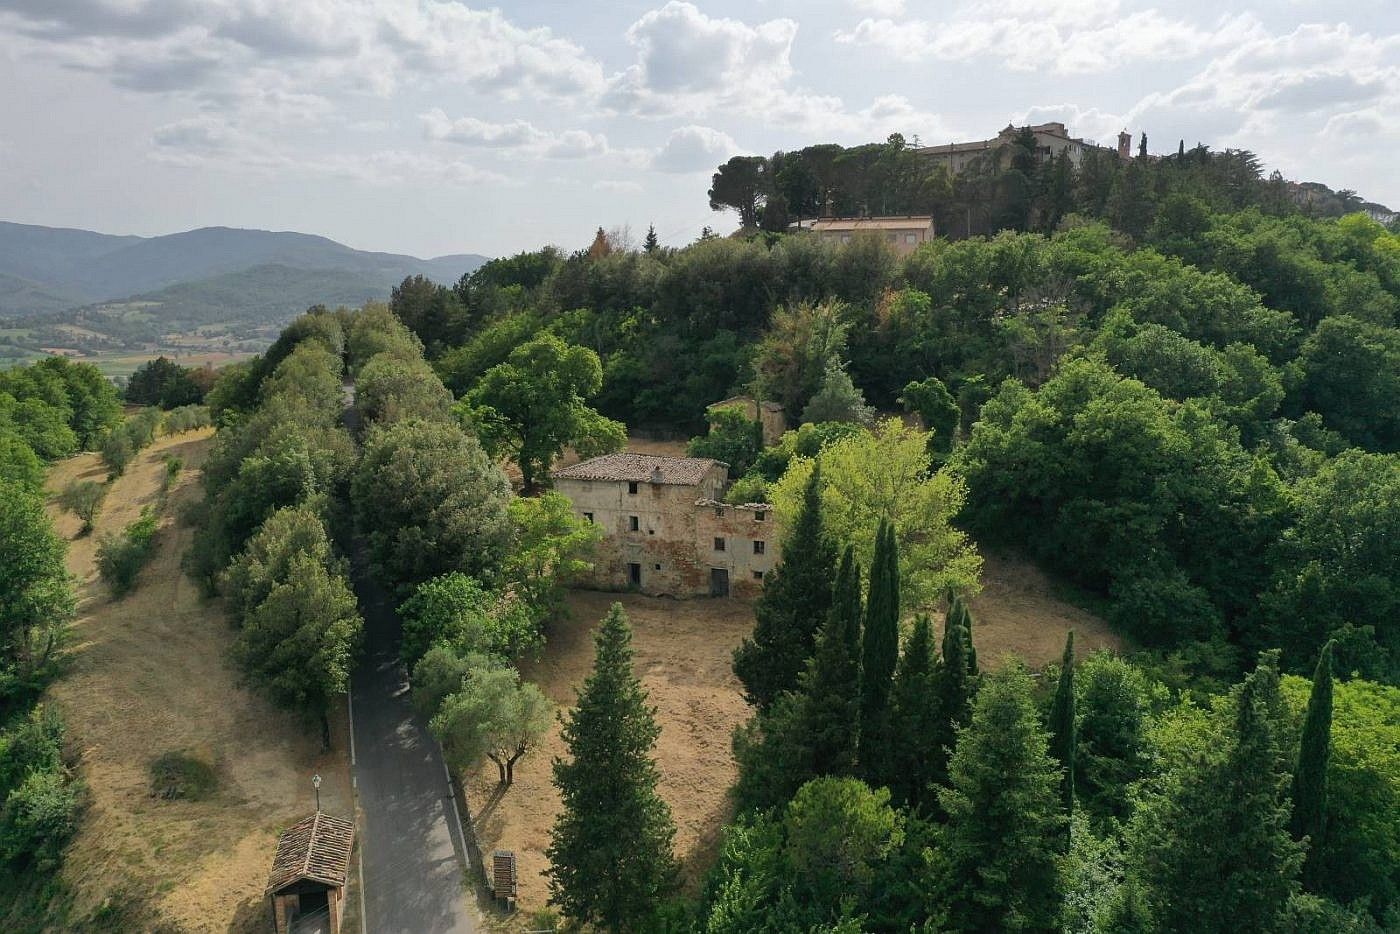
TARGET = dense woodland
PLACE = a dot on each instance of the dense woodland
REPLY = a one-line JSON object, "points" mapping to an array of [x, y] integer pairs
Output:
{"points": [[1187, 410]]}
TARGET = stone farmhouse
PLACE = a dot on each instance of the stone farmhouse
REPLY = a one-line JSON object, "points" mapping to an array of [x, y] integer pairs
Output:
{"points": [[666, 531], [903, 233]]}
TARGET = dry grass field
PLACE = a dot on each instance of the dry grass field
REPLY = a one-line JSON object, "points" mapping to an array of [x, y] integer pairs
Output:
{"points": [[683, 650], [149, 674]]}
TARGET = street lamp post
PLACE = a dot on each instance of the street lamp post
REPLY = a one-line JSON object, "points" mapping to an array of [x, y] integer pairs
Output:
{"points": [[316, 783]]}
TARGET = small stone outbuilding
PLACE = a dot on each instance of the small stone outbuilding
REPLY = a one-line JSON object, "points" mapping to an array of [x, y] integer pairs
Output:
{"points": [[769, 415], [307, 885], [666, 530]]}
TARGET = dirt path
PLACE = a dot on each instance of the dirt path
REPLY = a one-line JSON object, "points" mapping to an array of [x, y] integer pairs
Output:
{"points": [[149, 674]]}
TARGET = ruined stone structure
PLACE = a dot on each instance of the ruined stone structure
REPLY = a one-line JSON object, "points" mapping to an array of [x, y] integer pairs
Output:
{"points": [[666, 531], [769, 415]]}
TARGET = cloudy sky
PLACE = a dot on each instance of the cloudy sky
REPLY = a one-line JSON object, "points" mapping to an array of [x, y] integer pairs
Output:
{"points": [[434, 126]]}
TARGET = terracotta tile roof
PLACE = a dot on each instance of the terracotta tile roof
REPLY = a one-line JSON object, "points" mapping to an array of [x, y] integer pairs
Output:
{"points": [[915, 222], [640, 468], [316, 848]]}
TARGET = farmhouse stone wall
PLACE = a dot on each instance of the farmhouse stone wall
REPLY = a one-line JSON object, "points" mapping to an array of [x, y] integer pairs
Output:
{"points": [[675, 539]]}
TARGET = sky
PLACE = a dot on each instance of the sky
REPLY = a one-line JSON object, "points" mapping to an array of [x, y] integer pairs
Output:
{"points": [[434, 126]]}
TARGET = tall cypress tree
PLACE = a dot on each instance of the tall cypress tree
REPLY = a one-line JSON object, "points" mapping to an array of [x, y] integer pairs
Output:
{"points": [[954, 686], [1211, 847], [879, 654], [1004, 815], [651, 244], [610, 853], [831, 683], [959, 613], [1310, 775], [796, 600], [1062, 732], [916, 717]]}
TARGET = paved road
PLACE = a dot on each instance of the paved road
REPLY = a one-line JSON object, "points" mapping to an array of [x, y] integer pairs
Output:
{"points": [[410, 841], [411, 848]]}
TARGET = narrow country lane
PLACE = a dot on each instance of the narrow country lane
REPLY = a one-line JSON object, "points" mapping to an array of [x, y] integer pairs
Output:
{"points": [[412, 851], [415, 862]]}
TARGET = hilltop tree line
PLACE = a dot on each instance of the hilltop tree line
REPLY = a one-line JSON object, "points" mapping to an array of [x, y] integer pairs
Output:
{"points": [[1008, 186]]}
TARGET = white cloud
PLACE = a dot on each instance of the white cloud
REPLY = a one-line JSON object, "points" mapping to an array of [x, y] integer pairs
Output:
{"points": [[1082, 38], [519, 136], [617, 187], [219, 51], [880, 7], [694, 149]]}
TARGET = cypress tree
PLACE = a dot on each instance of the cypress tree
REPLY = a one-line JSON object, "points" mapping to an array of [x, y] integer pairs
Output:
{"points": [[1211, 848], [1310, 775], [796, 600], [954, 686], [879, 654], [958, 611], [1062, 733], [610, 853], [831, 683], [916, 716], [1004, 817], [651, 244]]}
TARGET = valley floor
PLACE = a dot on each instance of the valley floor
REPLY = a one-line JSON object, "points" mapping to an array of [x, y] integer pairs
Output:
{"points": [[150, 674]]}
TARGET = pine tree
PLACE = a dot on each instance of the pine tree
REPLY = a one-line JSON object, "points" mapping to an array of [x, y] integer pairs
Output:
{"points": [[651, 244], [610, 849], [916, 715], [1062, 732], [1211, 848], [831, 684], [1004, 817], [879, 654], [796, 600], [1310, 775]]}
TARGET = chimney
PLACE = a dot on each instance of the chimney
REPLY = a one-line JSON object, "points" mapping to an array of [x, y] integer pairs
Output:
{"points": [[1125, 145], [656, 474]]}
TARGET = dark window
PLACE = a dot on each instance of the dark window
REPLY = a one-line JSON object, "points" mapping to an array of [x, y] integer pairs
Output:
{"points": [[658, 567], [758, 547], [760, 516], [588, 517], [632, 488], [758, 575], [719, 511], [634, 523], [719, 544]]}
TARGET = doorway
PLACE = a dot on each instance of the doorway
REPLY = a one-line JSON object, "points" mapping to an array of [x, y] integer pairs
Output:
{"points": [[634, 575], [719, 582]]}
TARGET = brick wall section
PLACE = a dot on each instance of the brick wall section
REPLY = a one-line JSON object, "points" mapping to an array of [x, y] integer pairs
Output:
{"points": [[672, 550]]}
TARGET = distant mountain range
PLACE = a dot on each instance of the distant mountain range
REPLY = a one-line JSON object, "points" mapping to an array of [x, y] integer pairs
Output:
{"points": [[232, 279]]}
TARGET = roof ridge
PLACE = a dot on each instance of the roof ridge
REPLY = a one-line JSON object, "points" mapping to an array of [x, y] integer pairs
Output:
{"points": [[311, 842]]}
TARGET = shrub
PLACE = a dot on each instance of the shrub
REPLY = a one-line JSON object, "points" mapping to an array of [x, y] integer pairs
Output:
{"points": [[187, 418], [121, 558], [38, 818], [180, 775], [83, 499]]}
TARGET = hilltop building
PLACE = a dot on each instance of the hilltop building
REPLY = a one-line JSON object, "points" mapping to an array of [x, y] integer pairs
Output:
{"points": [[666, 530], [1051, 139]]}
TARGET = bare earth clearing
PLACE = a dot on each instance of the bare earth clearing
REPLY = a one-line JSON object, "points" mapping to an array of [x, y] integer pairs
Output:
{"points": [[150, 675], [683, 650]]}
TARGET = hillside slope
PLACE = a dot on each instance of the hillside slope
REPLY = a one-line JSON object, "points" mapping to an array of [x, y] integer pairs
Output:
{"points": [[83, 267]]}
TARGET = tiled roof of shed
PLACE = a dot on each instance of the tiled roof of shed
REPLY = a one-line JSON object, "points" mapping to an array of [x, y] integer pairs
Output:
{"points": [[640, 468], [911, 222], [317, 848]]}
